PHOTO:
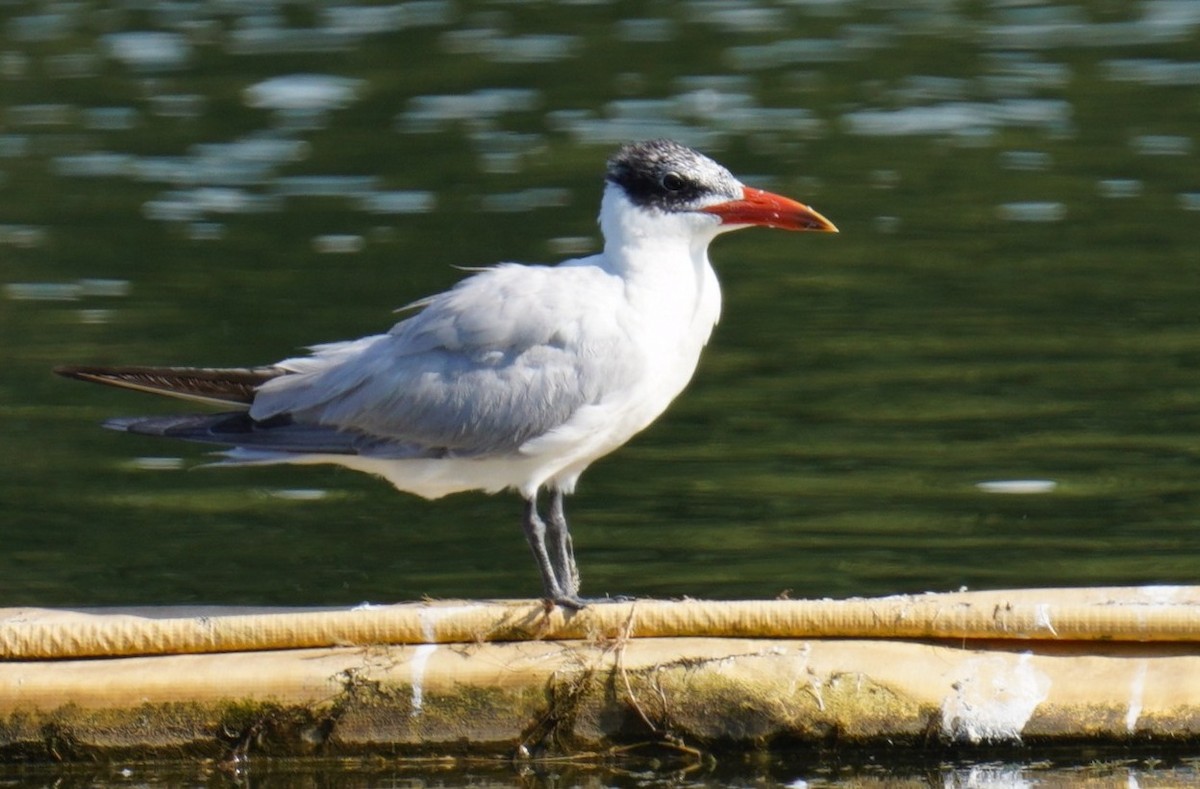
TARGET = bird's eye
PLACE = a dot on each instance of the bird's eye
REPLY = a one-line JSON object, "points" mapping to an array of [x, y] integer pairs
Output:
{"points": [[672, 182]]}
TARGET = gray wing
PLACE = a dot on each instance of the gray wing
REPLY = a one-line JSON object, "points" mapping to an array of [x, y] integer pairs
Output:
{"points": [[277, 436], [506, 356]]}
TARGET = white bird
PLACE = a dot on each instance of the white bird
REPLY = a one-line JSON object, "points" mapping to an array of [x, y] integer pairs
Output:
{"points": [[519, 376]]}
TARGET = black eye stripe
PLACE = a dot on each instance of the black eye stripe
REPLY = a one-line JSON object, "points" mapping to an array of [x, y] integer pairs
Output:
{"points": [[667, 176]]}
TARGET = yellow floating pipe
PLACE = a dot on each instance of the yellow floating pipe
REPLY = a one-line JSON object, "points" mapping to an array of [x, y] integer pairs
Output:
{"points": [[1140, 614]]}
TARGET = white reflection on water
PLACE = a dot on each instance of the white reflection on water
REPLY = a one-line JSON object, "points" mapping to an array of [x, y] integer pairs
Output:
{"points": [[706, 111], [269, 150], [304, 92], [505, 151], [921, 88], [363, 20], [49, 114], [22, 236], [1153, 71], [493, 45], [426, 114], [884, 178], [526, 200], [587, 128], [298, 494], [95, 317], [1032, 211], [886, 225], [326, 185], [98, 164], [110, 118], [13, 65], [67, 291], [1027, 161], [1018, 486], [787, 53], [148, 463], [241, 176], [205, 231], [42, 291], [42, 27], [645, 31], [210, 165], [181, 106], [1050, 115], [1120, 188], [110, 288], [736, 17], [269, 37], [338, 244], [1161, 145], [149, 50], [398, 202], [1053, 27], [1021, 73], [185, 205]]}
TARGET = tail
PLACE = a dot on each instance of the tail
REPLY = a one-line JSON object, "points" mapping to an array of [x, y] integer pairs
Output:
{"points": [[213, 386], [267, 440]]}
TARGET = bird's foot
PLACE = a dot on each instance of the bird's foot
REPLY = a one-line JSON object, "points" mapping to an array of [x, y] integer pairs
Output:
{"points": [[568, 601], [576, 603]]}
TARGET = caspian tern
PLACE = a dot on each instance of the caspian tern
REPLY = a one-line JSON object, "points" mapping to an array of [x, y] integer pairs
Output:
{"points": [[517, 377]]}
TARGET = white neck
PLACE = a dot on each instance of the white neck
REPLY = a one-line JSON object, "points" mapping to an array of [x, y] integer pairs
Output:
{"points": [[663, 258], [636, 239]]}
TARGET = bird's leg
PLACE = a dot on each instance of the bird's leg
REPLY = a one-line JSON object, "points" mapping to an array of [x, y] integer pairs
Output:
{"points": [[561, 547], [535, 534]]}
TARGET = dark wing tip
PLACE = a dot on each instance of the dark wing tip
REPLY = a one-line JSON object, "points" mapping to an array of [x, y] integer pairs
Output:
{"points": [[238, 429], [75, 371], [224, 428], [211, 385]]}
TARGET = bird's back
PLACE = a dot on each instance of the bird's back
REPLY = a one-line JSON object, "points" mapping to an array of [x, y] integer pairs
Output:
{"points": [[509, 354]]}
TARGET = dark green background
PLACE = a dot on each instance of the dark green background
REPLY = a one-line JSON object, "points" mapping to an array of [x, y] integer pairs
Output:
{"points": [[857, 389]]}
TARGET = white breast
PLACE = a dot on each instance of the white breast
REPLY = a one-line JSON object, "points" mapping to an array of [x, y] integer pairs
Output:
{"points": [[670, 304]]}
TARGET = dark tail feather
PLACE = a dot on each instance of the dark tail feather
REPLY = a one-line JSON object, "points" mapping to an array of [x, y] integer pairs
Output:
{"points": [[214, 386], [278, 436], [237, 429]]}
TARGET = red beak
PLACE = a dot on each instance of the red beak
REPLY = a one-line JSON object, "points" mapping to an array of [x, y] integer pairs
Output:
{"points": [[770, 210]]}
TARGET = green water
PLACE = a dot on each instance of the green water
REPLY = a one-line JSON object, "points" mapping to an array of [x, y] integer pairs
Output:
{"points": [[1013, 295]]}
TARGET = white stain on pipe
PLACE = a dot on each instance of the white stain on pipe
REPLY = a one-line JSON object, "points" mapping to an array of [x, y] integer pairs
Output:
{"points": [[430, 617], [1164, 595], [420, 659], [992, 699], [1042, 618], [1137, 689]]}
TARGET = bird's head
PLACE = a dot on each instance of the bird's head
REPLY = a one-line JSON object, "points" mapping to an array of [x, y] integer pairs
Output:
{"points": [[663, 179]]}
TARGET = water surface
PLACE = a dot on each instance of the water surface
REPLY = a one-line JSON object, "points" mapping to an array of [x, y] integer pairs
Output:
{"points": [[1011, 304], [1012, 296]]}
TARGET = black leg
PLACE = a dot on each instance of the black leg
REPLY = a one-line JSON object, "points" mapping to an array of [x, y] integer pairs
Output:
{"points": [[561, 547], [535, 534]]}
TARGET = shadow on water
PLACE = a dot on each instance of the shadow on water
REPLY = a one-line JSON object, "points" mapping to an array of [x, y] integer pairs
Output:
{"points": [[663, 769]]}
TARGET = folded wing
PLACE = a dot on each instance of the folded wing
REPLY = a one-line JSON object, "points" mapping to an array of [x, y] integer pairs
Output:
{"points": [[501, 358], [508, 355]]}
